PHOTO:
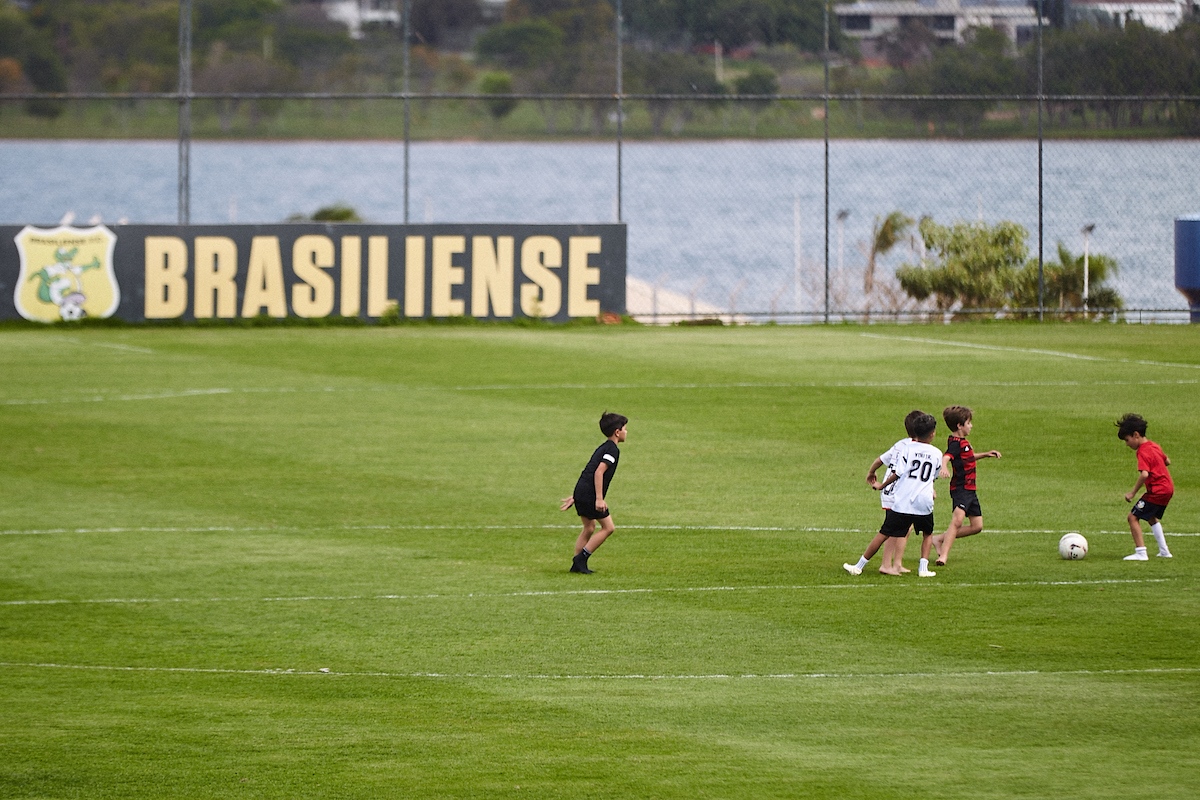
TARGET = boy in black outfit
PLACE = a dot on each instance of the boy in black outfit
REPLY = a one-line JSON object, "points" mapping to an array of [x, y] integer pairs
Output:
{"points": [[591, 489]]}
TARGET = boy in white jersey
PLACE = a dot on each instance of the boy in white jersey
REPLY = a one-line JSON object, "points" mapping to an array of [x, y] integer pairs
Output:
{"points": [[916, 467], [893, 551]]}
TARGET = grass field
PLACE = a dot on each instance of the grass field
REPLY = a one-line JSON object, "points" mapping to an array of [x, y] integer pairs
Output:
{"points": [[298, 562]]}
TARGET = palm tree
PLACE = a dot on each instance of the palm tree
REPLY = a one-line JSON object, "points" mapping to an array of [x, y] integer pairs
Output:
{"points": [[884, 236]]}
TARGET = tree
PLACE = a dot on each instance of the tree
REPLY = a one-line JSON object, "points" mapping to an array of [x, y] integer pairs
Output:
{"points": [[885, 234], [498, 83], [1063, 282], [973, 265], [759, 80]]}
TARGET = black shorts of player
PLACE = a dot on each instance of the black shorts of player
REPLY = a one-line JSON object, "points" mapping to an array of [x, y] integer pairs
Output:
{"points": [[1147, 511], [586, 508], [967, 500], [896, 525]]}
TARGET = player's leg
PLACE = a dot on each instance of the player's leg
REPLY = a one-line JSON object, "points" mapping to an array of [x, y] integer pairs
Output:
{"points": [[924, 526], [888, 566], [596, 539], [589, 527], [1160, 537], [1139, 541], [943, 542], [872, 549], [899, 560]]}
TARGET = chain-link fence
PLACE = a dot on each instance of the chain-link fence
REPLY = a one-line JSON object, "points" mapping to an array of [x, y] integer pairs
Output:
{"points": [[788, 208]]}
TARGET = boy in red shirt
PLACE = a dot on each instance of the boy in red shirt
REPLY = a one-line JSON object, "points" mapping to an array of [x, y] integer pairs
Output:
{"points": [[960, 456], [1153, 474]]}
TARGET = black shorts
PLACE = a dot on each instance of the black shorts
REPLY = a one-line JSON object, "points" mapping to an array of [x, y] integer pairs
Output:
{"points": [[967, 500], [586, 508], [1147, 511], [896, 525]]}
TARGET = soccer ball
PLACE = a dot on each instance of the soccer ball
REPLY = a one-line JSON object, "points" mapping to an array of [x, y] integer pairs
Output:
{"points": [[1072, 547]]}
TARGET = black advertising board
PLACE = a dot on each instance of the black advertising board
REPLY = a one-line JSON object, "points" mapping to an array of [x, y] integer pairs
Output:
{"points": [[311, 270]]}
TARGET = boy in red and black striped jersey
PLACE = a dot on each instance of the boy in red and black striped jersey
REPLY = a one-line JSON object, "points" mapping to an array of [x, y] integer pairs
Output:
{"points": [[1152, 465], [962, 458]]}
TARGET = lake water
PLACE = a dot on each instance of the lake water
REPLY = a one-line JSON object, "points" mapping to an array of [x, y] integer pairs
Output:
{"points": [[721, 220]]}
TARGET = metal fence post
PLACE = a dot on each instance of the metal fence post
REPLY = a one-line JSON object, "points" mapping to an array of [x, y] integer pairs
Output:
{"points": [[185, 111], [620, 104], [825, 99], [1041, 203], [407, 109]]}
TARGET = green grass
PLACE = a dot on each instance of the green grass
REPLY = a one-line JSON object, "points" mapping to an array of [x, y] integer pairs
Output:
{"points": [[194, 523]]}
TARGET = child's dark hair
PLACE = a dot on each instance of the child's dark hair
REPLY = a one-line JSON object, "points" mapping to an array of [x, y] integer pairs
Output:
{"points": [[955, 416], [610, 423], [919, 424], [1130, 424]]}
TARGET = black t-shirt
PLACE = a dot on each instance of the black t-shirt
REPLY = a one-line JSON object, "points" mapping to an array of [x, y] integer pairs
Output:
{"points": [[608, 453]]}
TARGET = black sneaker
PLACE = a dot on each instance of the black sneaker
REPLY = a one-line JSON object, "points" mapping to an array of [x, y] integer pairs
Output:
{"points": [[579, 564]]}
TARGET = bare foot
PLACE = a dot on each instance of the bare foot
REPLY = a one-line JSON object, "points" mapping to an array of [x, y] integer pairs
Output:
{"points": [[937, 543], [888, 571], [904, 570]]}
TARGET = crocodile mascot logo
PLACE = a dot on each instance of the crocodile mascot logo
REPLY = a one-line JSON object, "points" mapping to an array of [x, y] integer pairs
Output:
{"points": [[66, 274]]}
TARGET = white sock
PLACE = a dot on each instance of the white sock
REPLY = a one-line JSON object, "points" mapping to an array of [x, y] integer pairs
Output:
{"points": [[924, 565], [862, 562], [1160, 537], [1141, 550]]}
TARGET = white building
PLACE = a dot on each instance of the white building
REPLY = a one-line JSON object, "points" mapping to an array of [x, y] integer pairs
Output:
{"points": [[1162, 15], [948, 20], [354, 14]]}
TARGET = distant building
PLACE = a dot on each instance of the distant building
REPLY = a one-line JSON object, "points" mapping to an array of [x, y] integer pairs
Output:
{"points": [[354, 14], [1162, 15], [948, 20]]}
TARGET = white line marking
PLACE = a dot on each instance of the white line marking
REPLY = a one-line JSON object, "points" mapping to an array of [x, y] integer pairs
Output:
{"points": [[574, 592], [293, 529], [544, 676], [127, 347], [169, 394], [1034, 351]]}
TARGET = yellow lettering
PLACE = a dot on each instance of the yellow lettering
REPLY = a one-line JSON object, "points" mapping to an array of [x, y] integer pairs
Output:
{"points": [[446, 276], [414, 276], [351, 276], [580, 276], [166, 284], [264, 279], [377, 276], [543, 297], [492, 276], [214, 288], [311, 256]]}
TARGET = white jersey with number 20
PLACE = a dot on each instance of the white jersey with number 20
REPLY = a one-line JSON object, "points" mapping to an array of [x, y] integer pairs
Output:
{"points": [[917, 464]]}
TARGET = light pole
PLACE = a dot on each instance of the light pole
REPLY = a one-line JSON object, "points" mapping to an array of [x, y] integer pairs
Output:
{"points": [[1087, 232]]}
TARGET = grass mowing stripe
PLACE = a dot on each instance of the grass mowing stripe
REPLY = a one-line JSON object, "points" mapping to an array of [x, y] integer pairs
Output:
{"points": [[573, 592], [167, 394], [1030, 350], [716, 676]]}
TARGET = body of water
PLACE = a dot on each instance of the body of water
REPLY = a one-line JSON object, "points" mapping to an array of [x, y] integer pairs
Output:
{"points": [[722, 220]]}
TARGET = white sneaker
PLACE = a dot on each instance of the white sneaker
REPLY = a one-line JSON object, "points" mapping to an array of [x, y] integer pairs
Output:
{"points": [[1165, 555], [1137, 557], [853, 570], [926, 573]]}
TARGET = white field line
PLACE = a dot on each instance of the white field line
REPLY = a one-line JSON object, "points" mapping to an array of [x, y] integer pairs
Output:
{"points": [[294, 529], [547, 676], [114, 396], [577, 592], [1030, 350]]}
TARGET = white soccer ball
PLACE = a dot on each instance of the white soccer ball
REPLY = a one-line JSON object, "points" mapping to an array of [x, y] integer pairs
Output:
{"points": [[1072, 547]]}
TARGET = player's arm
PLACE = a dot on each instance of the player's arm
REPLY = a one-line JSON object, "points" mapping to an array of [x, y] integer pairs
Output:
{"points": [[988, 454], [567, 502], [944, 472], [602, 468], [872, 481], [1143, 476], [889, 480]]}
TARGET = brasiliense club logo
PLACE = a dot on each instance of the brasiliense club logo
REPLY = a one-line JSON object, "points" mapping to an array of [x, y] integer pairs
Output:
{"points": [[66, 274]]}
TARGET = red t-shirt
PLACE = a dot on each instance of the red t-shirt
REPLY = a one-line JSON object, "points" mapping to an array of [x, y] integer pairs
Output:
{"points": [[962, 463], [1159, 486]]}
